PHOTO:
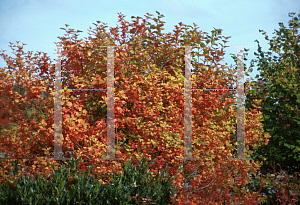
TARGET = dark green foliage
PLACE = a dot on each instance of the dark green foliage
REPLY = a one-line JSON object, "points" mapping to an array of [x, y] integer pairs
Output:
{"points": [[85, 189], [280, 101]]}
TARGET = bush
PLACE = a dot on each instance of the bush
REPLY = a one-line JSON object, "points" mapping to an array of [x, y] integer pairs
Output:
{"points": [[70, 187]]}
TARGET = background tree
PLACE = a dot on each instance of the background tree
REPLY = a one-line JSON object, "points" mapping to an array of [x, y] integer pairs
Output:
{"points": [[278, 87]]}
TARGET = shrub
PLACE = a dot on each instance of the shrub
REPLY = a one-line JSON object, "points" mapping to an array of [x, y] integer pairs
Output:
{"points": [[67, 186]]}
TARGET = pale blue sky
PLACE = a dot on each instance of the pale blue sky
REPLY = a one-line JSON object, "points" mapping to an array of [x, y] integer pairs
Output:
{"points": [[38, 23]]}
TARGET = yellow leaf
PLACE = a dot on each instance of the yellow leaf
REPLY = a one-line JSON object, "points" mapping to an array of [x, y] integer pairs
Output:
{"points": [[82, 122]]}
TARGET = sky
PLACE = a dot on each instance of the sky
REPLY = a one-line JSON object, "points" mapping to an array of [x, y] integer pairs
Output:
{"points": [[37, 23]]}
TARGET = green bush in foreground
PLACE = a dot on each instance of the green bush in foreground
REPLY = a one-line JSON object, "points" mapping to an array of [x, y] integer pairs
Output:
{"points": [[129, 188]]}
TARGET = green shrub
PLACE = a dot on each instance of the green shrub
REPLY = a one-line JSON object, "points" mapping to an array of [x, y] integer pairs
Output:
{"points": [[129, 188]]}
